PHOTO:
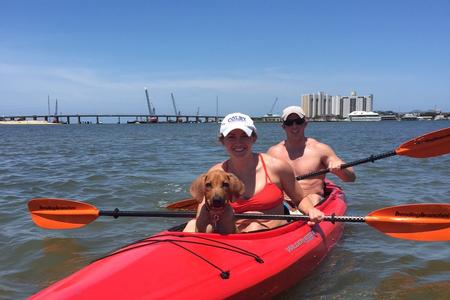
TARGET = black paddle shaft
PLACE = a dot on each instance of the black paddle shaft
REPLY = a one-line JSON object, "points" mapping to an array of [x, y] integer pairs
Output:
{"points": [[163, 214], [371, 158]]}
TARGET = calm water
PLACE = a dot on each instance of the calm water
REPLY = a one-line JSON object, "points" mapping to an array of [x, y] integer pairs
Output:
{"points": [[144, 167]]}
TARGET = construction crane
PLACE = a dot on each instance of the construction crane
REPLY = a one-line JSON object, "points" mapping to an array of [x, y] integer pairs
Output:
{"points": [[273, 106], [55, 116], [174, 105], [151, 111], [56, 107], [217, 106], [48, 104]]}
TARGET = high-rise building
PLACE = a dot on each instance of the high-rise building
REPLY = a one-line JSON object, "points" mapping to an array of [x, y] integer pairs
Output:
{"points": [[323, 105], [316, 105]]}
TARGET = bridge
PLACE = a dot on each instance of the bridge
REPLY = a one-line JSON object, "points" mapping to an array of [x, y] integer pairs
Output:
{"points": [[137, 118]]}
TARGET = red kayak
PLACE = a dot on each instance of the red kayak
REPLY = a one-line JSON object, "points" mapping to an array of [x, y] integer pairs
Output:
{"points": [[177, 265]]}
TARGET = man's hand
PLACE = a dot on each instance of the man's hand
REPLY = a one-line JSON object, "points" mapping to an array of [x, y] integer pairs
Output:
{"points": [[335, 166], [315, 216]]}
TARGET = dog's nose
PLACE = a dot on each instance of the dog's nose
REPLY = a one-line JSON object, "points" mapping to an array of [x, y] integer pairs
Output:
{"points": [[218, 202]]}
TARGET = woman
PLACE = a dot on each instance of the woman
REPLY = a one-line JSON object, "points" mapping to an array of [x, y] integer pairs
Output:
{"points": [[265, 178]]}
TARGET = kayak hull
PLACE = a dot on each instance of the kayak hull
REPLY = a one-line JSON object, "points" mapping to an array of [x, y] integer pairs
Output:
{"points": [[179, 265]]}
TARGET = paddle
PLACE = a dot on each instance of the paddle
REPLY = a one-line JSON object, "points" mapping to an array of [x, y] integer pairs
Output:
{"points": [[428, 145], [420, 222], [185, 204]]}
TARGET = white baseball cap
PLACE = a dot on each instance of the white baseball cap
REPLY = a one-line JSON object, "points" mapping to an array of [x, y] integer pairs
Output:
{"points": [[292, 110], [237, 121]]}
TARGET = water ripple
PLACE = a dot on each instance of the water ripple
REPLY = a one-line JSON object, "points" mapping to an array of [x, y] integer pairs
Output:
{"points": [[147, 167]]}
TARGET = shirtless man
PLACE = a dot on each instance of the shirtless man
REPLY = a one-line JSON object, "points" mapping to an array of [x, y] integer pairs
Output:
{"points": [[307, 155]]}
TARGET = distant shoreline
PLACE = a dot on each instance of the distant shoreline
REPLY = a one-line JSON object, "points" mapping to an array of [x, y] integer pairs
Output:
{"points": [[27, 122]]}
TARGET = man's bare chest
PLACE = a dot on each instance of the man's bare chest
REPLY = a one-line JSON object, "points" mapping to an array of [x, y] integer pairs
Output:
{"points": [[307, 163]]}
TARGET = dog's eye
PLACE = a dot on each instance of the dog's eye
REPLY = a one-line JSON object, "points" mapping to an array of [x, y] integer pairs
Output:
{"points": [[208, 185], [225, 184]]}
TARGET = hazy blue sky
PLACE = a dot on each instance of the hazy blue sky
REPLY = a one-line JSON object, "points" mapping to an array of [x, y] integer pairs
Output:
{"points": [[97, 56]]}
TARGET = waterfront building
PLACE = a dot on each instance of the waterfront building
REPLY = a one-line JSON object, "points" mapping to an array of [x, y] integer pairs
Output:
{"points": [[356, 102], [408, 117], [389, 117], [271, 118], [26, 122], [358, 115], [322, 105], [317, 105]]}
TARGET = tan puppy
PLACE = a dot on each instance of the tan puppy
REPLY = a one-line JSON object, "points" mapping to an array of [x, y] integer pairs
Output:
{"points": [[214, 191]]}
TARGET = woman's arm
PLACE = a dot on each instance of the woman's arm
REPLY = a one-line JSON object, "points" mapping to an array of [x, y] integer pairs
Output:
{"points": [[294, 191], [288, 183]]}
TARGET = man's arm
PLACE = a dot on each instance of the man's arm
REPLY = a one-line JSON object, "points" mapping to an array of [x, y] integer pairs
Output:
{"points": [[334, 163]]}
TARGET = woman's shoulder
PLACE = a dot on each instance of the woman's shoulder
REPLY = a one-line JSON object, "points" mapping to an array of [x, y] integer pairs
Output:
{"points": [[219, 166], [278, 169], [274, 163], [277, 148]]}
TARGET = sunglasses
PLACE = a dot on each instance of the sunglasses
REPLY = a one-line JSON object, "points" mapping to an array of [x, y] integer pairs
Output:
{"points": [[298, 121]]}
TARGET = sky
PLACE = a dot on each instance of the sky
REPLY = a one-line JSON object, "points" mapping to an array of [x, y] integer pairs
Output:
{"points": [[96, 57]]}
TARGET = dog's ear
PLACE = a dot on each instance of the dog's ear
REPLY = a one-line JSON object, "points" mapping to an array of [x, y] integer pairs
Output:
{"points": [[197, 188], [236, 186]]}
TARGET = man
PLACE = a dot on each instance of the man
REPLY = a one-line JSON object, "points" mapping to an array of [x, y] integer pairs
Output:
{"points": [[307, 155]]}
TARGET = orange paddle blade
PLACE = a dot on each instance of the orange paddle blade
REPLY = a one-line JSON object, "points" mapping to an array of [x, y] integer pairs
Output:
{"points": [[185, 204], [431, 144], [52, 213], [420, 222]]}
